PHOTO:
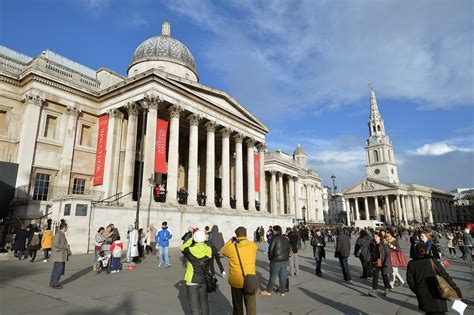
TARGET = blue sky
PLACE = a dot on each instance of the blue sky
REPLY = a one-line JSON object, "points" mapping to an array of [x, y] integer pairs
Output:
{"points": [[301, 66]]}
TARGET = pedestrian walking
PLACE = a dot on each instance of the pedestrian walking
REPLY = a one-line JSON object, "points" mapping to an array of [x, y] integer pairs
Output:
{"points": [[47, 242], [362, 251], [397, 258], [59, 256], [19, 242], [269, 236], [278, 254], [199, 257], [467, 239], [163, 240], [342, 252], [152, 237], [451, 248], [99, 242], [421, 273], [318, 243], [34, 245], [294, 261], [242, 255], [381, 263]]}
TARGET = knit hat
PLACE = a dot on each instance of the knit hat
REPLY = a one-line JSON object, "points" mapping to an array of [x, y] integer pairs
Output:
{"points": [[199, 236]]}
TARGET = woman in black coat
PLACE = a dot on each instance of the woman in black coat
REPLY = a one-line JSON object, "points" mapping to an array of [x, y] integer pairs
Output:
{"points": [[19, 243], [379, 250], [421, 280], [362, 251], [318, 243]]}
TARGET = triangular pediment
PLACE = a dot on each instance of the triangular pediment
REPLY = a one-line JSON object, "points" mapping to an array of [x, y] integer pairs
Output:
{"points": [[370, 184]]}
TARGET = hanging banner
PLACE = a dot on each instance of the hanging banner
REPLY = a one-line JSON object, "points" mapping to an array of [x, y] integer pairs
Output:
{"points": [[101, 150], [256, 171], [160, 146]]}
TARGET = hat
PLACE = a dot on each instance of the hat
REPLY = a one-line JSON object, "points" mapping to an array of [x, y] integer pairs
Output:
{"points": [[195, 230], [199, 236]]}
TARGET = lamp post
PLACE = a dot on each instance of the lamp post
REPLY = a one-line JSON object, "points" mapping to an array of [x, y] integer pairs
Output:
{"points": [[304, 215], [333, 183], [151, 182]]}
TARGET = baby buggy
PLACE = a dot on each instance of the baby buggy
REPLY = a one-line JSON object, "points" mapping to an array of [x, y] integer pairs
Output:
{"points": [[104, 261]]}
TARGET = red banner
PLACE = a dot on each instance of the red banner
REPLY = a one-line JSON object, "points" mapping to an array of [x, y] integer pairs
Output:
{"points": [[160, 146], [256, 171], [101, 150]]}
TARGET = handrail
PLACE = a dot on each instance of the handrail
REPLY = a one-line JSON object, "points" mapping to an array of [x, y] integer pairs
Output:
{"points": [[109, 197], [112, 201]]}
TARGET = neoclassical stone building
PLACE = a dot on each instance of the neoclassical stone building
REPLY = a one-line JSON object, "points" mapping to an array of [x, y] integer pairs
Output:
{"points": [[81, 139], [381, 196]]}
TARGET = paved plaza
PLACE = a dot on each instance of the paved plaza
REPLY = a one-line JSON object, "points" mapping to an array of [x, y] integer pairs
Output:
{"points": [[152, 290]]}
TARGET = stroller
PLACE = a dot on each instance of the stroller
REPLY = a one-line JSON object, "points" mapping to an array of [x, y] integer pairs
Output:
{"points": [[104, 262]]}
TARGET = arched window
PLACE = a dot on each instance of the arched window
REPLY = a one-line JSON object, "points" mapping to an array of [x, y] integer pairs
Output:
{"points": [[390, 155], [378, 127], [374, 128], [376, 155]]}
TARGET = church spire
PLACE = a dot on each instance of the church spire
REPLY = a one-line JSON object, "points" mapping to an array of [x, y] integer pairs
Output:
{"points": [[374, 109], [376, 124]]}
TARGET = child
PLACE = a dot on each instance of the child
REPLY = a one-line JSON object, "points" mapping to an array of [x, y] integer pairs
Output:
{"points": [[116, 249]]}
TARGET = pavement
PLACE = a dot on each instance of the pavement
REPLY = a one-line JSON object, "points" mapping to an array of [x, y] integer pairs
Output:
{"points": [[153, 290]]}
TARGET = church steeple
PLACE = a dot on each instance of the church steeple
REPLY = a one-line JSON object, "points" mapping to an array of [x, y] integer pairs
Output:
{"points": [[376, 124]]}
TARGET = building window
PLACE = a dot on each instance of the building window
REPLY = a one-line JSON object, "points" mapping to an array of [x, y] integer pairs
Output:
{"points": [[50, 127], [67, 209], [41, 189], [3, 122], [376, 156], [79, 186], [81, 210], [85, 135], [378, 127]]}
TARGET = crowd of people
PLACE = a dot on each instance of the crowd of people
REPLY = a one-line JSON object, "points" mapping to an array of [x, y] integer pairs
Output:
{"points": [[379, 252]]}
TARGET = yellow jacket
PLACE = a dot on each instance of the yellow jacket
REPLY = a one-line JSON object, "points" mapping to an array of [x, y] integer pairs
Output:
{"points": [[47, 239], [248, 255]]}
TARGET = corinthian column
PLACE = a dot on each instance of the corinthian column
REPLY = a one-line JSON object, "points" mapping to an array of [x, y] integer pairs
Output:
{"points": [[250, 174], [28, 135], [282, 196], [173, 155], [388, 219], [225, 183], [366, 208], [239, 176], [298, 213], [292, 195], [210, 163], [356, 200], [263, 186], [193, 159], [112, 153], [273, 205], [130, 150]]}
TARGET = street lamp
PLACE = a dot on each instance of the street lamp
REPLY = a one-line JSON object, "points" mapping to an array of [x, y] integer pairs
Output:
{"points": [[304, 215], [333, 183]]}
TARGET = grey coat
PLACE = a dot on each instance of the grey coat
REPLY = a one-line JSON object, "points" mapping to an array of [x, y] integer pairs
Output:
{"points": [[60, 248]]}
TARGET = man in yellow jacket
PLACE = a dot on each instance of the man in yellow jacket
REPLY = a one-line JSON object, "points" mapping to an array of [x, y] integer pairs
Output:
{"points": [[248, 255]]}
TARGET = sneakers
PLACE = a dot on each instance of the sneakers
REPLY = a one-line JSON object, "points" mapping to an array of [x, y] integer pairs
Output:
{"points": [[167, 266], [373, 293], [349, 282], [113, 271], [45, 260], [265, 293], [57, 286], [160, 265], [223, 274], [387, 292], [281, 293]]}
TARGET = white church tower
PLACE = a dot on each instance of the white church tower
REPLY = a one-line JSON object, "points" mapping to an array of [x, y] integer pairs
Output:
{"points": [[379, 151]]}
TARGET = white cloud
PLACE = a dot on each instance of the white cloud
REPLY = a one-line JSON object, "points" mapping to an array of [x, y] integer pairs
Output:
{"points": [[440, 148], [136, 20]]}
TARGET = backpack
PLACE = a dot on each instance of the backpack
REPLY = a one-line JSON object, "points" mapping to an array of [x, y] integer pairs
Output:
{"points": [[35, 240], [314, 241]]}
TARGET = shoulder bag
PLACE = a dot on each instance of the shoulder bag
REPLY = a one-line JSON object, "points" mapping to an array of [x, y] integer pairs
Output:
{"points": [[250, 281], [445, 290], [211, 280]]}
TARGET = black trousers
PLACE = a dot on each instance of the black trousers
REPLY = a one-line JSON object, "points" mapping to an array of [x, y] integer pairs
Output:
{"points": [[238, 299], [197, 298], [366, 268], [346, 272], [375, 279]]}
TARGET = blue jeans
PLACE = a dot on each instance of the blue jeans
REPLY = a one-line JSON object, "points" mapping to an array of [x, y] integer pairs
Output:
{"points": [[163, 255], [115, 263], [279, 268], [58, 271], [345, 268]]}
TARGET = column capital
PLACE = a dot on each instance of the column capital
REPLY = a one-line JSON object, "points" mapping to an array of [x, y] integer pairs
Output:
{"points": [[273, 172], [32, 97], [295, 178], [151, 101], [211, 126], [238, 137], [194, 119], [132, 108], [114, 113], [261, 147], [226, 132], [73, 111], [175, 111], [280, 174], [250, 142]]}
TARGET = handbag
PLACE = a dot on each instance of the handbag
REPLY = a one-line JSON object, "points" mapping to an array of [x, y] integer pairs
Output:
{"points": [[377, 263], [211, 280], [402, 260], [250, 281], [445, 290]]}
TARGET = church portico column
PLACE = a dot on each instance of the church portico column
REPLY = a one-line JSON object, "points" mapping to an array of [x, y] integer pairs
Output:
{"points": [[130, 148], [366, 208], [298, 213], [193, 158], [225, 183], [429, 210], [250, 174], [28, 135], [348, 211], [273, 194], [239, 176], [388, 218], [292, 195], [173, 155], [150, 103], [281, 193], [377, 213], [403, 208], [263, 186], [356, 201], [210, 163]]}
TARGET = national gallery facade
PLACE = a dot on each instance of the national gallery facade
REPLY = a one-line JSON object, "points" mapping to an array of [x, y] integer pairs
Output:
{"points": [[89, 144]]}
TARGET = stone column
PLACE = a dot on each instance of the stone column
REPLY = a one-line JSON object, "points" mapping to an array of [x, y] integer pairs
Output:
{"points": [[398, 209], [430, 212], [377, 213], [68, 148], [298, 213], [282, 196], [173, 155], [309, 198], [273, 205], [239, 176], [112, 153], [193, 159], [366, 208], [28, 135], [403, 210], [225, 183], [356, 201], [388, 219], [130, 151], [210, 163], [420, 202], [263, 186], [151, 103], [250, 174], [348, 211], [292, 195]]}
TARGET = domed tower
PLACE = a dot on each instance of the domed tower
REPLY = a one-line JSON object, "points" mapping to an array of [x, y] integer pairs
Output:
{"points": [[164, 53], [301, 157]]}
